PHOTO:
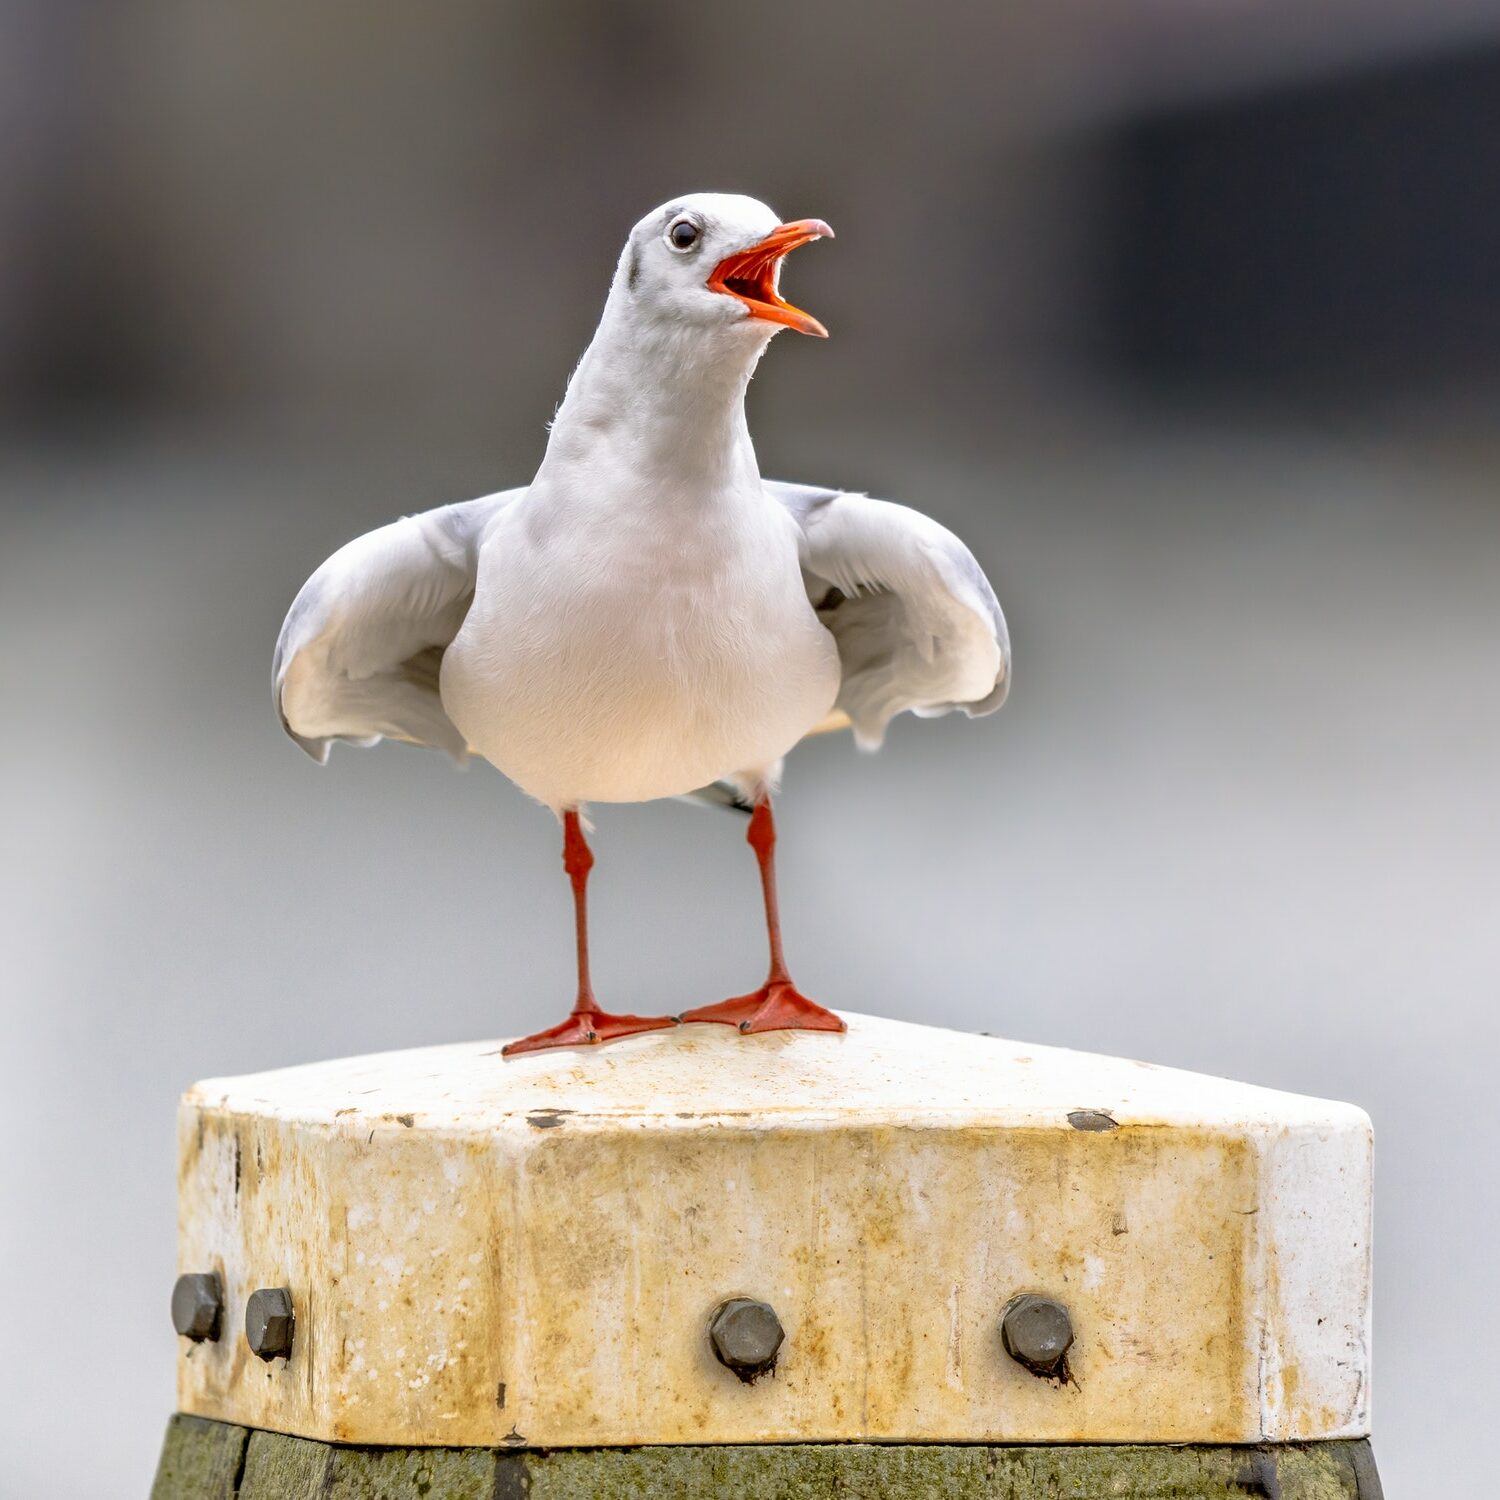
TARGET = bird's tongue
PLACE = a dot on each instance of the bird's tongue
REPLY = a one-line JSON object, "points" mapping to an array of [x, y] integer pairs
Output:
{"points": [[749, 276]]}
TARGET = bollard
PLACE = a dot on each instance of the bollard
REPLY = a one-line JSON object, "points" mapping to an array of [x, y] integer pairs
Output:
{"points": [[897, 1262]]}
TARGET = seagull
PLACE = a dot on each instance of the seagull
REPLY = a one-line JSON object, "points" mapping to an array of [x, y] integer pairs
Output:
{"points": [[649, 617]]}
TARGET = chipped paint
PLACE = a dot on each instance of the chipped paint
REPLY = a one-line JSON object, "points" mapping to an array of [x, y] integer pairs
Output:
{"points": [[538, 1251]]}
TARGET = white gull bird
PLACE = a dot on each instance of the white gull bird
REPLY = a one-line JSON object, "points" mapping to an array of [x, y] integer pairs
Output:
{"points": [[649, 617]]}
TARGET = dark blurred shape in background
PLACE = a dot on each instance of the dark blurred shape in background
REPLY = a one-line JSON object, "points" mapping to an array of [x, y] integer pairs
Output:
{"points": [[1184, 315], [208, 212], [1332, 236]]}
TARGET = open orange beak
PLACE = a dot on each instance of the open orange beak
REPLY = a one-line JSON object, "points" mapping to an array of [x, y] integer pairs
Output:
{"points": [[750, 276]]}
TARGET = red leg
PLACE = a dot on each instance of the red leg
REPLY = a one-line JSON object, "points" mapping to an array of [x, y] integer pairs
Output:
{"points": [[587, 1024], [777, 1005]]}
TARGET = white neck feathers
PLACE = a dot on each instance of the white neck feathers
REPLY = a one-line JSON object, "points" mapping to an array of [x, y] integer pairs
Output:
{"points": [[659, 400]]}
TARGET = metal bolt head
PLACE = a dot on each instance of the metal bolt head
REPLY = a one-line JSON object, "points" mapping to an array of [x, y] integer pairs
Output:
{"points": [[269, 1323], [1037, 1332], [197, 1303], [746, 1336]]}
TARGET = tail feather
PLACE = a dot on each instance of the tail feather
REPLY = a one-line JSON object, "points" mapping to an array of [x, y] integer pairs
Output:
{"points": [[722, 794]]}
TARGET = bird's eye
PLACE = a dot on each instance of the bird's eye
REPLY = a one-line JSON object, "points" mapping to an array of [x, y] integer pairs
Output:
{"points": [[683, 234]]}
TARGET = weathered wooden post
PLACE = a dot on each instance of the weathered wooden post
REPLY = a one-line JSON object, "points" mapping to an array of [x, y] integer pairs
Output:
{"points": [[901, 1262]]}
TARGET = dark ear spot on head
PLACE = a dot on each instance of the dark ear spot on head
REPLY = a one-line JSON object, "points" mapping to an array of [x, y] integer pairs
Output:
{"points": [[633, 269]]}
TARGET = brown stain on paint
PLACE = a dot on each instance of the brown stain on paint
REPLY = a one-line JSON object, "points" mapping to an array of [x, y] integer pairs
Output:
{"points": [[889, 1274]]}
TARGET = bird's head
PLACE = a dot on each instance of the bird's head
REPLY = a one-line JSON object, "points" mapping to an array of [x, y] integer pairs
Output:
{"points": [[713, 261]]}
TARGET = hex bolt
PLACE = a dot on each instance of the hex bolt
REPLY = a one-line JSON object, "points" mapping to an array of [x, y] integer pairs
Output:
{"points": [[746, 1336], [1037, 1333], [197, 1305], [269, 1324]]}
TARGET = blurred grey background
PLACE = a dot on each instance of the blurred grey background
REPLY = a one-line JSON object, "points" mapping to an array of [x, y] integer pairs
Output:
{"points": [[1185, 316]]}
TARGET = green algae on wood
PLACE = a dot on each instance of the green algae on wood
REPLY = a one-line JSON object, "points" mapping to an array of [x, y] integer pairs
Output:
{"points": [[204, 1460], [287, 1468], [200, 1460]]}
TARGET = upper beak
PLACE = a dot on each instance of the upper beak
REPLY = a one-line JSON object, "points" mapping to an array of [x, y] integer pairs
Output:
{"points": [[750, 275]]}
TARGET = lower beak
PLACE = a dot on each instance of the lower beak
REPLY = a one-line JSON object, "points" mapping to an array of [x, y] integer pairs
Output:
{"points": [[750, 276]]}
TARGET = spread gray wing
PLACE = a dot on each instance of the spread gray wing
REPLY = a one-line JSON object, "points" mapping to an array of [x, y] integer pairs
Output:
{"points": [[917, 624], [359, 653]]}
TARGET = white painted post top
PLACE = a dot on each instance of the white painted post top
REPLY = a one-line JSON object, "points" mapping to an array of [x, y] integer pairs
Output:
{"points": [[482, 1250]]}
